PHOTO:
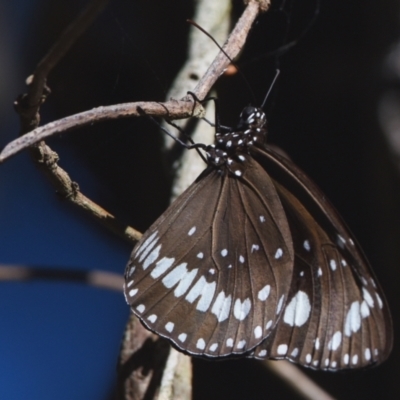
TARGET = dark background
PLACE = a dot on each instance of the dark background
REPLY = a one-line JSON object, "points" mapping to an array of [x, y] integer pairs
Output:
{"points": [[61, 340]]}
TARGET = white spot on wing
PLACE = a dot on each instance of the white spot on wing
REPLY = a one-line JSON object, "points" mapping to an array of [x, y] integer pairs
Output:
{"points": [[241, 344], [295, 352], [169, 326], [131, 271], [254, 247], [152, 318], [141, 308], [264, 293], [241, 259], [229, 342], [269, 324], [182, 337], [257, 332], [222, 306], [368, 298], [319, 271], [335, 342], [279, 253], [317, 344], [201, 344], [203, 289], [280, 304], [308, 358], [346, 359], [145, 244], [192, 230], [262, 218], [364, 310], [332, 264], [367, 354], [130, 283], [200, 255], [353, 319], [298, 310], [224, 252], [262, 353], [238, 172], [214, 347], [152, 257], [354, 360], [282, 349], [162, 266], [133, 292], [149, 247], [179, 274], [306, 245], [241, 309], [380, 302]]}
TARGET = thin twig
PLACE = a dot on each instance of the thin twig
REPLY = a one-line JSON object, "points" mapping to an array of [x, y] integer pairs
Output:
{"points": [[298, 380], [96, 278]]}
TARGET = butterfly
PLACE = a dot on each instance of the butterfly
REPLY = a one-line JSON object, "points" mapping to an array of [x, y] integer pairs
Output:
{"points": [[252, 260]]}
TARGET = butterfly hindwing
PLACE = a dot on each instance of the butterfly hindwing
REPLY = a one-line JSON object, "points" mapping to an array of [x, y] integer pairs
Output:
{"points": [[336, 316]]}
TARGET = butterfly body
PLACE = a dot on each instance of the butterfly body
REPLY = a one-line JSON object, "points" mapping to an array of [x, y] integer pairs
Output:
{"points": [[252, 260]]}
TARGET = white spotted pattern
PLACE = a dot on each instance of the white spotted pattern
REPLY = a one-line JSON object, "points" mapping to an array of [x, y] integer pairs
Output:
{"points": [[133, 292], [279, 253], [280, 304], [192, 231], [353, 319], [241, 309], [214, 347], [222, 306], [257, 332], [201, 344], [298, 310], [264, 293], [182, 337], [152, 318], [335, 342], [282, 349], [203, 289], [169, 326], [141, 308]]}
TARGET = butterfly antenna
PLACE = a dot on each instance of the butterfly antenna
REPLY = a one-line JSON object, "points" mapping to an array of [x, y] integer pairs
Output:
{"points": [[226, 55], [270, 88]]}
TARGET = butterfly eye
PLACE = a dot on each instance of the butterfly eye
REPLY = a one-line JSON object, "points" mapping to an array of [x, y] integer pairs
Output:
{"points": [[252, 260]]}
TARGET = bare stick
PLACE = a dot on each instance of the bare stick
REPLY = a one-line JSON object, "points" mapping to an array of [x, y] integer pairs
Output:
{"points": [[102, 279], [298, 380]]}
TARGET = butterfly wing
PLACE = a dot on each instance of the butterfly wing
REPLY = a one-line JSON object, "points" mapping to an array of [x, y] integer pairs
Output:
{"points": [[336, 316], [211, 272]]}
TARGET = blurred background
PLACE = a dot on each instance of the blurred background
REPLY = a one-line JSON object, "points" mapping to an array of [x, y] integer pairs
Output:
{"points": [[333, 111]]}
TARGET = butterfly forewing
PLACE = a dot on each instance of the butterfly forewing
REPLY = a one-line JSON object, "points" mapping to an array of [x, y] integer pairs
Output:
{"points": [[211, 273], [336, 316]]}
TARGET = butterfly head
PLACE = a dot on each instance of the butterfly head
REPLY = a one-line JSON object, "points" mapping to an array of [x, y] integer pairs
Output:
{"points": [[252, 118]]}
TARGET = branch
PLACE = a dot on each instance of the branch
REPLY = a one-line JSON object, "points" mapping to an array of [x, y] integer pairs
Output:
{"points": [[96, 278], [297, 380]]}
